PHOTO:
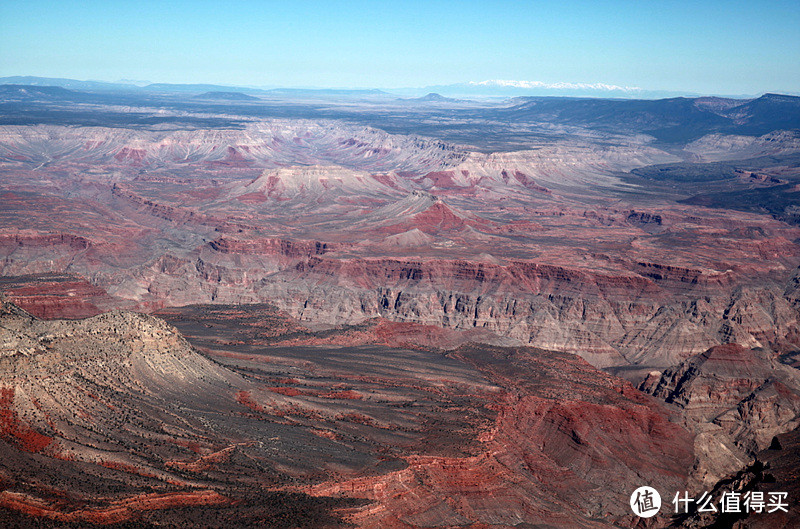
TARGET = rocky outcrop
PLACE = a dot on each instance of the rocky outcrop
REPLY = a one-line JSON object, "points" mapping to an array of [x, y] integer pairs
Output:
{"points": [[736, 399], [308, 182], [82, 393], [54, 296], [270, 143], [772, 471], [268, 246], [718, 147]]}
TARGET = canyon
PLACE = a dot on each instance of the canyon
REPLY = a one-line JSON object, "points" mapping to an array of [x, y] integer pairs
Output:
{"points": [[410, 313], [549, 247]]}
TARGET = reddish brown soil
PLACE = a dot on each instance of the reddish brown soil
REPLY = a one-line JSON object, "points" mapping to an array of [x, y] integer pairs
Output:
{"points": [[12, 429]]}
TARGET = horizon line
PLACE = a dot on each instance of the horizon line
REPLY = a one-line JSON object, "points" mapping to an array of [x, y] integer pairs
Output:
{"points": [[500, 84]]}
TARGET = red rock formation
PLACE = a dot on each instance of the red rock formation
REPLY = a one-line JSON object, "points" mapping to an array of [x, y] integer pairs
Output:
{"points": [[58, 296], [529, 183], [117, 511], [130, 155]]}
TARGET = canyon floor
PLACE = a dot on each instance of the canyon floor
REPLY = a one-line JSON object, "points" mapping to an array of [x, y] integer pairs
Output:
{"points": [[394, 313]]}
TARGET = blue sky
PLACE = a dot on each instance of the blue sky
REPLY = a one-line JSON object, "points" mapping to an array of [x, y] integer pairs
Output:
{"points": [[706, 47]]}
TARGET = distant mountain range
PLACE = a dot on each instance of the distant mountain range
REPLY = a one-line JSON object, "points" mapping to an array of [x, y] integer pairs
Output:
{"points": [[496, 89], [169, 88], [72, 84]]}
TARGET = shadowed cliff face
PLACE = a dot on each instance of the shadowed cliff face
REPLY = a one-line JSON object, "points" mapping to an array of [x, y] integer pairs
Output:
{"points": [[735, 399], [773, 470], [117, 417]]}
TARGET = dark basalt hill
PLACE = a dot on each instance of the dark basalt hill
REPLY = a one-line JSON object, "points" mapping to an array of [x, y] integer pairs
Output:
{"points": [[435, 97], [677, 119], [432, 97], [768, 112]]}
